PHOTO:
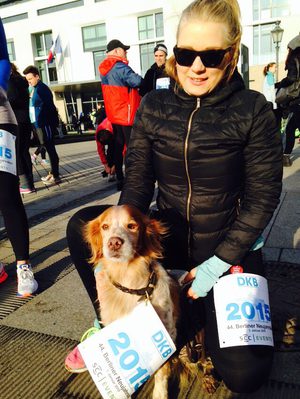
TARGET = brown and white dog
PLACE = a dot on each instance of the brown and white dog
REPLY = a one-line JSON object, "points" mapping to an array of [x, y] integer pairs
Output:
{"points": [[128, 245]]}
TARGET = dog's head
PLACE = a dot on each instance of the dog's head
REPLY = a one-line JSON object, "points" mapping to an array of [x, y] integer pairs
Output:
{"points": [[122, 233]]}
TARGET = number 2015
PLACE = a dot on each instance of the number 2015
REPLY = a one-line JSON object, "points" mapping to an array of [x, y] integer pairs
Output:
{"points": [[248, 311]]}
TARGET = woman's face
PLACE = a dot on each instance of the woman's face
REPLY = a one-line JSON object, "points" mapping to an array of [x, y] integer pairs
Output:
{"points": [[198, 80]]}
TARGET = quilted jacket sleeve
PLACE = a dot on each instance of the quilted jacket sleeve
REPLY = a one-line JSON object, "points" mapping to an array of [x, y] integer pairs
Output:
{"points": [[263, 184], [140, 178]]}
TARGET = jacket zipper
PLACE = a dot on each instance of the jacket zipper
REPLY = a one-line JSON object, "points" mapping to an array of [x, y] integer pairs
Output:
{"points": [[188, 204]]}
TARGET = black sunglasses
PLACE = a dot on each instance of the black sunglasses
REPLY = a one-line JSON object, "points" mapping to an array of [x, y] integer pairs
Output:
{"points": [[209, 58]]}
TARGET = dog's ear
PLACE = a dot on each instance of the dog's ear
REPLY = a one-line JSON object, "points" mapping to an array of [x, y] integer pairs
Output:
{"points": [[154, 233], [93, 236]]}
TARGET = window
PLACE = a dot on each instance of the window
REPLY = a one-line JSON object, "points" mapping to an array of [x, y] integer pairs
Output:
{"points": [[94, 37], [98, 57], [15, 18], [267, 9], [60, 7], [263, 47], [151, 32], [151, 26], [42, 43], [11, 50]]}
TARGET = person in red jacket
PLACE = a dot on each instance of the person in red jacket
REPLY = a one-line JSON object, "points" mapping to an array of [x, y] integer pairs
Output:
{"points": [[121, 98], [105, 147]]}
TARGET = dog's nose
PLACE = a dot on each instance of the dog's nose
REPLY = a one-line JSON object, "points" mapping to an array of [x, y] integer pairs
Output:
{"points": [[115, 243]]}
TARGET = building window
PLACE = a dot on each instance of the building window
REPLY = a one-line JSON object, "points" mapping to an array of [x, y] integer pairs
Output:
{"points": [[151, 26], [267, 9], [42, 43], [94, 37], [98, 57], [151, 32], [60, 7], [263, 47], [15, 18], [11, 50]]}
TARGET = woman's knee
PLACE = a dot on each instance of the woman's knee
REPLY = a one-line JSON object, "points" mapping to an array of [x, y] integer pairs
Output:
{"points": [[248, 371]]}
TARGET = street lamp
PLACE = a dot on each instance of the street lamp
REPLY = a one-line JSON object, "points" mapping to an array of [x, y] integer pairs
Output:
{"points": [[277, 33]]}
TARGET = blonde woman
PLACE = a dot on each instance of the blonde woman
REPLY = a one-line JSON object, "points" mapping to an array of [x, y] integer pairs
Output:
{"points": [[214, 151]]}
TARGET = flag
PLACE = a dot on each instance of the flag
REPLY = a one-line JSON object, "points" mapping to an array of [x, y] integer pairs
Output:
{"points": [[55, 50]]}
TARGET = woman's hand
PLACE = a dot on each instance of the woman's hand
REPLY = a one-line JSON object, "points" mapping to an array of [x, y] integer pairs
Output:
{"points": [[205, 276]]}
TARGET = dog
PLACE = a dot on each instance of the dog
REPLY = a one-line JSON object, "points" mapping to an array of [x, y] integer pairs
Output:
{"points": [[128, 246]]}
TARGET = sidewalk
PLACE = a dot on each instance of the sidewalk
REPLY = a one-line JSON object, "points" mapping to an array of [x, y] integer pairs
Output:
{"points": [[37, 333]]}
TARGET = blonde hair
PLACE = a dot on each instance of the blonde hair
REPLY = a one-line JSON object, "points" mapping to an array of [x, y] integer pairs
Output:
{"points": [[223, 11]]}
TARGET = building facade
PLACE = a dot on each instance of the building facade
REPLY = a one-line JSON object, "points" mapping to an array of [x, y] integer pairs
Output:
{"points": [[80, 30]]}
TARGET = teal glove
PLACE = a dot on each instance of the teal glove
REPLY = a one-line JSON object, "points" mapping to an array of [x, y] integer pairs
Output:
{"points": [[207, 274], [259, 243]]}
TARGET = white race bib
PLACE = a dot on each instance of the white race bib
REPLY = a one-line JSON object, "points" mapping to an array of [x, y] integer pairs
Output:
{"points": [[7, 152], [122, 356], [243, 310], [162, 83]]}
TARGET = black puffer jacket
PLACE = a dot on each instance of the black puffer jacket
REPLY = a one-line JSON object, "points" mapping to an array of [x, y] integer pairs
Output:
{"points": [[218, 164]]}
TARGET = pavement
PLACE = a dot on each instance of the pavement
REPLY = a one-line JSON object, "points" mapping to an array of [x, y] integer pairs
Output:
{"points": [[36, 333]]}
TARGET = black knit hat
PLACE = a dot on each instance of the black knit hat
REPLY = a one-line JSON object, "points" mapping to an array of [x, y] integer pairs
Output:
{"points": [[115, 44]]}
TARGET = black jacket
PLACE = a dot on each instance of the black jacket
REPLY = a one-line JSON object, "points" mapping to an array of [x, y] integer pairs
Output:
{"points": [[18, 96], [218, 165], [149, 82]]}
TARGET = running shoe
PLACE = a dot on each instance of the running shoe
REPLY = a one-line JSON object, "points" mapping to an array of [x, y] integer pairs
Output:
{"points": [[50, 179], [74, 362], [27, 284], [45, 162], [3, 274], [27, 190]]}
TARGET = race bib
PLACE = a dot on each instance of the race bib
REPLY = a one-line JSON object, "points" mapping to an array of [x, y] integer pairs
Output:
{"points": [[122, 356], [7, 152], [243, 310], [162, 83]]}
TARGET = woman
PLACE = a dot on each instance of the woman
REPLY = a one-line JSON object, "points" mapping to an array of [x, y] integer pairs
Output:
{"points": [[11, 205], [18, 97], [292, 66], [269, 83], [215, 152]]}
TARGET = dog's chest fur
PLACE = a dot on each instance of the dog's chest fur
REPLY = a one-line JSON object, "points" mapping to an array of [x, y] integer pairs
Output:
{"points": [[115, 303]]}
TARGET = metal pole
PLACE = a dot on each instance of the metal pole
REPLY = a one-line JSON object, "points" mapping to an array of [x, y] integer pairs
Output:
{"points": [[277, 60]]}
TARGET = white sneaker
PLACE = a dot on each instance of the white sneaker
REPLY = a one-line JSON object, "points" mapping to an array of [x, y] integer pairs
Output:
{"points": [[27, 284], [50, 179]]}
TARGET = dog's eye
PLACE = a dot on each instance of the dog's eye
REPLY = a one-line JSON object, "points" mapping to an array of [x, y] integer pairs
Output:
{"points": [[132, 226], [105, 226]]}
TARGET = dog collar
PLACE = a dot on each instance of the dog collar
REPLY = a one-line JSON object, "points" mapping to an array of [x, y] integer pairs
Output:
{"points": [[145, 291]]}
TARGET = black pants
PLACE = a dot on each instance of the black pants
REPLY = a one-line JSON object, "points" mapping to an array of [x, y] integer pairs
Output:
{"points": [[46, 138], [292, 124], [243, 368], [13, 211], [121, 137], [24, 164]]}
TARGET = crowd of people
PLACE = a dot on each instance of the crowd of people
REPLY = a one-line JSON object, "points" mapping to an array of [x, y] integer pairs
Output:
{"points": [[189, 128]]}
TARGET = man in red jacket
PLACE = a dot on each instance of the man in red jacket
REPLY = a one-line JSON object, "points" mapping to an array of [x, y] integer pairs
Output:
{"points": [[121, 98]]}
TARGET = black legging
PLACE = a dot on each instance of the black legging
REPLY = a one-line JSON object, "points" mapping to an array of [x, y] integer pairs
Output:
{"points": [[13, 211], [46, 137], [243, 368], [121, 137], [292, 125]]}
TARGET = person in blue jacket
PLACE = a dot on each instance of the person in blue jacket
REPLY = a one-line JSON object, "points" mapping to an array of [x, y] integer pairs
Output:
{"points": [[11, 205], [44, 118]]}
